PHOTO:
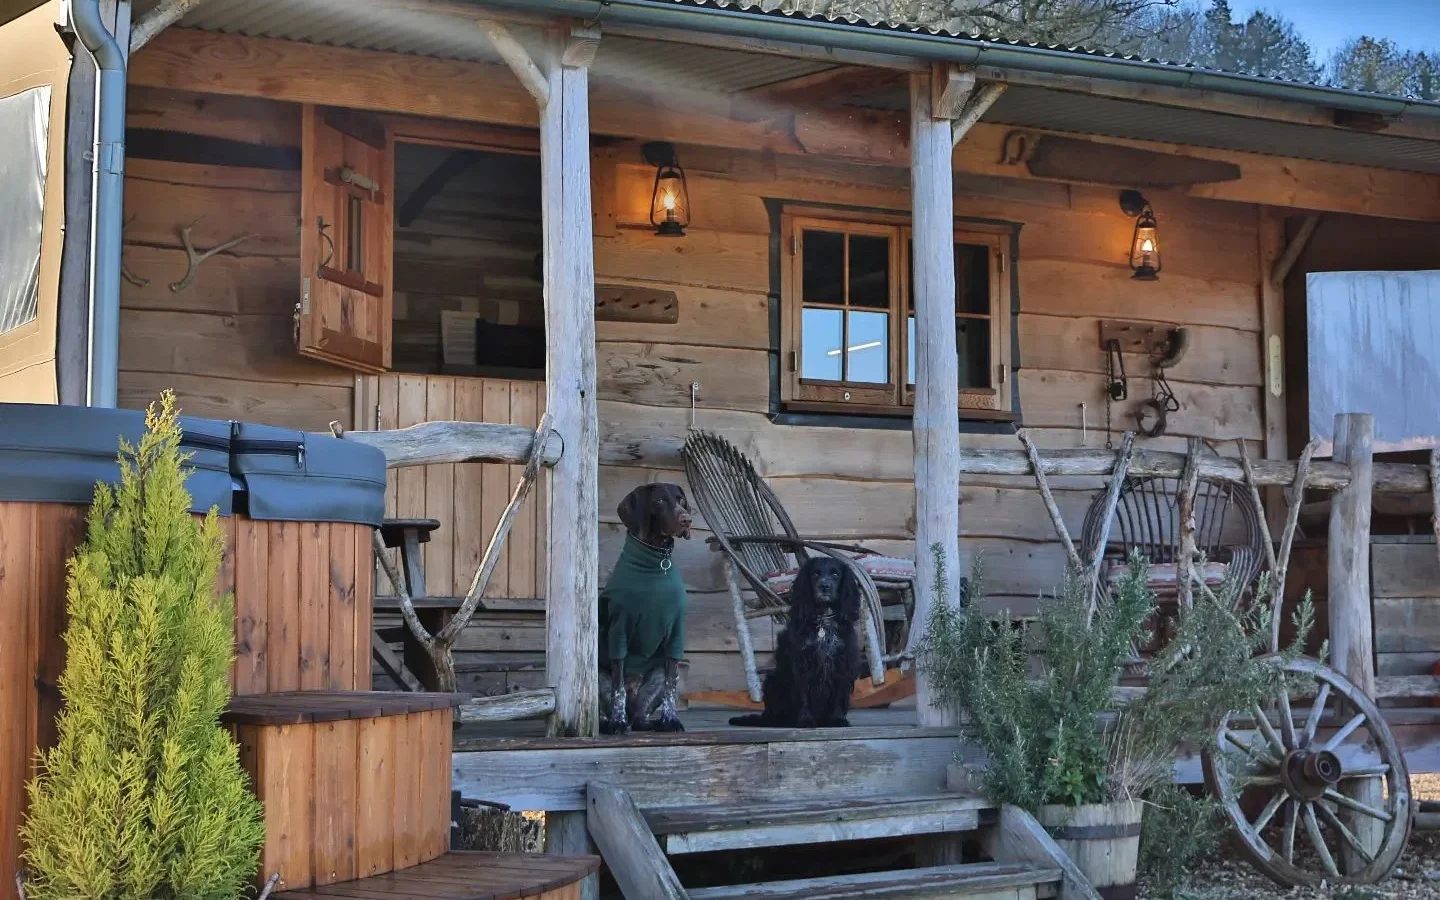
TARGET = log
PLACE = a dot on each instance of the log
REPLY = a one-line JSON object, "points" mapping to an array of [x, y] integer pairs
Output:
{"points": [[571, 650], [438, 443], [936, 428], [1352, 636], [1394, 478], [508, 707]]}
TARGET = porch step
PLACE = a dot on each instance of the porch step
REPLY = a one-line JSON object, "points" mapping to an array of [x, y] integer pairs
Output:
{"points": [[991, 881], [703, 829]]}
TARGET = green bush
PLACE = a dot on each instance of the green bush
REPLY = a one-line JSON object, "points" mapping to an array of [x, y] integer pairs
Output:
{"points": [[143, 796], [1035, 701], [1178, 828]]}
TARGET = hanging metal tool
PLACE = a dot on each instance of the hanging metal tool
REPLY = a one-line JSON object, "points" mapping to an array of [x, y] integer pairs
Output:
{"points": [[1151, 415], [1117, 386]]}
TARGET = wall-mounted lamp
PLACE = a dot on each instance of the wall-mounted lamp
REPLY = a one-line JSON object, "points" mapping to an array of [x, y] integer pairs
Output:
{"points": [[670, 200], [1145, 245]]}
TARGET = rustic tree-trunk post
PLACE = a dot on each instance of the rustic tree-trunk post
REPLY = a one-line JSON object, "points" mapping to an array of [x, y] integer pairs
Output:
{"points": [[937, 387], [569, 271], [1352, 638]]}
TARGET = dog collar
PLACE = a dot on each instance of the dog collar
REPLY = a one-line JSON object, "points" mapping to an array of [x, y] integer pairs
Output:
{"points": [[665, 563]]}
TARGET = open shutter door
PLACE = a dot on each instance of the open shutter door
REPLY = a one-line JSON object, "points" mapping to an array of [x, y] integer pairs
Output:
{"points": [[347, 219]]}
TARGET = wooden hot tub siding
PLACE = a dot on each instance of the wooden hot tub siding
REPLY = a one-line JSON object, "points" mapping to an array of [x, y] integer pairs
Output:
{"points": [[297, 623]]}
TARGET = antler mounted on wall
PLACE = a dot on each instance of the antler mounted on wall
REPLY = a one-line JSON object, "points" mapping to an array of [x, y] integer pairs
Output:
{"points": [[194, 258]]}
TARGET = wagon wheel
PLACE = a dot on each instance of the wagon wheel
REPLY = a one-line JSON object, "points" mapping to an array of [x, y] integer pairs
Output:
{"points": [[1303, 780]]}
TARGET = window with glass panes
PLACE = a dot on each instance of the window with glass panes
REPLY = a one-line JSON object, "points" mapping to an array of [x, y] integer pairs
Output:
{"points": [[849, 323]]}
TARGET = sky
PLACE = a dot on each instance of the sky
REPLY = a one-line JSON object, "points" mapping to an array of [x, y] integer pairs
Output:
{"points": [[1326, 24]]}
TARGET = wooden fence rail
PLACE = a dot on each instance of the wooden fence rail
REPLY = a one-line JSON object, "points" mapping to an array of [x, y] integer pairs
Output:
{"points": [[439, 443], [1395, 478]]}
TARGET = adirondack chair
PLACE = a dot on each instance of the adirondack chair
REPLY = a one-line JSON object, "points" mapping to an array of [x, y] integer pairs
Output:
{"points": [[762, 548], [1227, 532]]}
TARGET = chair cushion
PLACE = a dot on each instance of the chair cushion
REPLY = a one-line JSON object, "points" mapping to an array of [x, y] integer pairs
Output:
{"points": [[1163, 576], [882, 568]]}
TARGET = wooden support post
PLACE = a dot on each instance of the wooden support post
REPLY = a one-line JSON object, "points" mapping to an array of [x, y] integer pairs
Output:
{"points": [[566, 835], [572, 633], [936, 427], [1352, 638], [1272, 355]]}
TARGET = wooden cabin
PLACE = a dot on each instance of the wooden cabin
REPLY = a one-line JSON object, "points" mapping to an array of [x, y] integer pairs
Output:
{"points": [[411, 211]]}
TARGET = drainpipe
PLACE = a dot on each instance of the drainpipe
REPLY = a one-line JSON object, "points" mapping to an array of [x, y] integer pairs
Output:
{"points": [[109, 167]]}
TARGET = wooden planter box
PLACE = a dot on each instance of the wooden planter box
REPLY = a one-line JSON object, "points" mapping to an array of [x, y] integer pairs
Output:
{"points": [[353, 784]]}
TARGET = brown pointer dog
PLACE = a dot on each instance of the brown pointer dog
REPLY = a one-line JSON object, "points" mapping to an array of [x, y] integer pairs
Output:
{"points": [[642, 615]]}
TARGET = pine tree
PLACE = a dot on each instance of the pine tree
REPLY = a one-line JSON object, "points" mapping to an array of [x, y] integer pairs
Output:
{"points": [[143, 796]]}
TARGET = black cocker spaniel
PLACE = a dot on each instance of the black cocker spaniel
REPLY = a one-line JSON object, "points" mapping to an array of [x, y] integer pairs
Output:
{"points": [[817, 655]]}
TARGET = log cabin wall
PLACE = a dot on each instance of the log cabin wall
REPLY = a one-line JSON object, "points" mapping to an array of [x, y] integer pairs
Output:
{"points": [[225, 344]]}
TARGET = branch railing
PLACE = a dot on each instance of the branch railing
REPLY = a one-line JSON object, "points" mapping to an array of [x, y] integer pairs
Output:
{"points": [[439, 443]]}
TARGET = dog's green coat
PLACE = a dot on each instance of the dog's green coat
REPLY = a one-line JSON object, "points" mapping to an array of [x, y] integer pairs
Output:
{"points": [[642, 610]]}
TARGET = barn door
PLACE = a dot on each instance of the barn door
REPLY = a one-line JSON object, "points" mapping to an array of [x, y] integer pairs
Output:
{"points": [[347, 202]]}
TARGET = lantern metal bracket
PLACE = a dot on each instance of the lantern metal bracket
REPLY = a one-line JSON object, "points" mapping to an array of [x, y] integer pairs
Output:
{"points": [[659, 154], [1133, 203]]}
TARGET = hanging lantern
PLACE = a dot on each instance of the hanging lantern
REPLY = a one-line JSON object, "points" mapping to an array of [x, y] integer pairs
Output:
{"points": [[670, 199], [1145, 244]]}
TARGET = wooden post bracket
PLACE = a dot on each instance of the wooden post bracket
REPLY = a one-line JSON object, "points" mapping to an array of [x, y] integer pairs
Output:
{"points": [[975, 110], [518, 59], [1291, 256]]}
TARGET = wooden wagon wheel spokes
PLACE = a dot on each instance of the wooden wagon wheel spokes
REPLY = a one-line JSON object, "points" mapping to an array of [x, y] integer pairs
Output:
{"points": [[1325, 795]]}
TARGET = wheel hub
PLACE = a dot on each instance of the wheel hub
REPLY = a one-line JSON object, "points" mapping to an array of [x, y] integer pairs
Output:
{"points": [[1309, 773]]}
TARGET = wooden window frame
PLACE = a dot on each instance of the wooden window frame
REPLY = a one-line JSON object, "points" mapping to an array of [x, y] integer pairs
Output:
{"points": [[992, 403]]}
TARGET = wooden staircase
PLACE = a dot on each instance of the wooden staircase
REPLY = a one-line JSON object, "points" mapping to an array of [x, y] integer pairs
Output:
{"points": [[638, 844]]}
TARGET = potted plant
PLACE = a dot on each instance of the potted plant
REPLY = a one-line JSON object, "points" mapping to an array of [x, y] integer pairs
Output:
{"points": [[1042, 703], [143, 795]]}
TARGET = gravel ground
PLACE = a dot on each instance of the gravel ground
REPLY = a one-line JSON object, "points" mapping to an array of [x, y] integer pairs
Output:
{"points": [[1226, 876]]}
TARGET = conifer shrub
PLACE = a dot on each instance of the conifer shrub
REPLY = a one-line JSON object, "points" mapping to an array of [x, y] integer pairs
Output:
{"points": [[143, 796]]}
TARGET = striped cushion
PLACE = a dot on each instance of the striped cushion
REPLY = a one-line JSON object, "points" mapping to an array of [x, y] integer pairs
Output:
{"points": [[880, 568]]}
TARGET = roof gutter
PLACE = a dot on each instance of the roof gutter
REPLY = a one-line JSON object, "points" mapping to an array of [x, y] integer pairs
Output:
{"points": [[964, 51]]}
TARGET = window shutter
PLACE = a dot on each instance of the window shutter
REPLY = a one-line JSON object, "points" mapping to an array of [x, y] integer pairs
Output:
{"points": [[347, 204]]}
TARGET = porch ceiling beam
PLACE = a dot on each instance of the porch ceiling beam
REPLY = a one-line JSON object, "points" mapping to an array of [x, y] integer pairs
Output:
{"points": [[950, 89], [389, 82], [518, 59], [976, 109], [818, 88]]}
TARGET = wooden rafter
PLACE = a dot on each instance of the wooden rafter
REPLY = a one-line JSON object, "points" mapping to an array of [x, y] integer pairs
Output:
{"points": [[453, 166]]}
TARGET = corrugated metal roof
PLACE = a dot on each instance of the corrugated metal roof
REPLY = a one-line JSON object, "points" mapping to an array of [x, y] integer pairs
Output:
{"points": [[870, 13], [398, 28], [1087, 114], [670, 65], [1054, 110]]}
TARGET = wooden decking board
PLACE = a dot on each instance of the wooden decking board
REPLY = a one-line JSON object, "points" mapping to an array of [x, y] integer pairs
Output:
{"points": [[461, 875], [675, 820], [707, 738], [975, 879], [706, 829]]}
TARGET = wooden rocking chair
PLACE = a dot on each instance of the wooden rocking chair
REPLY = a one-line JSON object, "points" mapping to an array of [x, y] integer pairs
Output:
{"points": [[1227, 532], [761, 544]]}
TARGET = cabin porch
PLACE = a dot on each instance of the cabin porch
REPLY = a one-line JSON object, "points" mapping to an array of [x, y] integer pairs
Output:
{"points": [[223, 134]]}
